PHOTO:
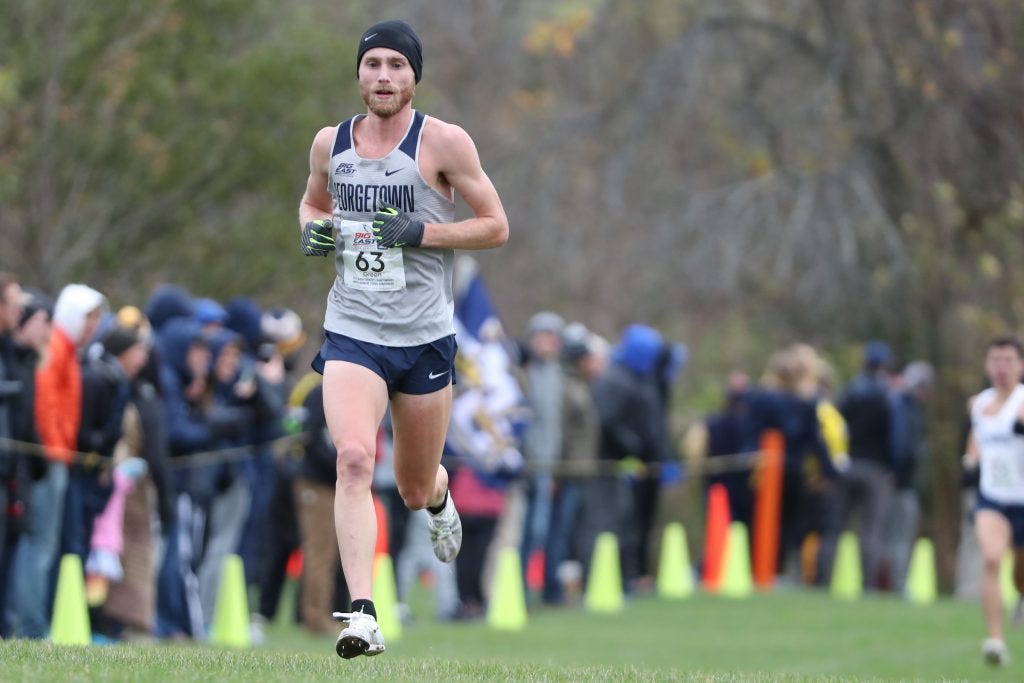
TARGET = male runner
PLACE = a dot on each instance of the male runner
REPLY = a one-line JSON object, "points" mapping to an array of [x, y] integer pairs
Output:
{"points": [[381, 196], [996, 445]]}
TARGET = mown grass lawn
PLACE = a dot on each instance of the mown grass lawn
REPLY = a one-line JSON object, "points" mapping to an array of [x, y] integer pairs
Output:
{"points": [[794, 635]]}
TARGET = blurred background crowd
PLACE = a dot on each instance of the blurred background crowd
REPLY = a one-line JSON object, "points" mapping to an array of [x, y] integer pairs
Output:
{"points": [[154, 439]]}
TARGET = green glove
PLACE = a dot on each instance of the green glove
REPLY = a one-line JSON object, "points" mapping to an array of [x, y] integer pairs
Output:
{"points": [[317, 238], [394, 228]]}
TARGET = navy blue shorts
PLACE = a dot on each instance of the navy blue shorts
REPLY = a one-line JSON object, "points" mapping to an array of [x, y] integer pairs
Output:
{"points": [[421, 369], [1014, 515]]}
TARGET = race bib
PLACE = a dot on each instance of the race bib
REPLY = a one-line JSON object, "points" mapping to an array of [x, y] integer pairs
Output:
{"points": [[368, 266]]}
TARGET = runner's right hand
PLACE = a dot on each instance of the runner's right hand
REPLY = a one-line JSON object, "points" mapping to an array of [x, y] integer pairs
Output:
{"points": [[318, 238]]}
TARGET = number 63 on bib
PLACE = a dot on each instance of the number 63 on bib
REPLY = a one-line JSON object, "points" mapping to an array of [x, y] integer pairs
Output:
{"points": [[367, 266]]}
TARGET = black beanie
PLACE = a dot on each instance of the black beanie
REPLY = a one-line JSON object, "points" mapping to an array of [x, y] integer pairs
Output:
{"points": [[35, 300], [397, 35], [120, 339]]}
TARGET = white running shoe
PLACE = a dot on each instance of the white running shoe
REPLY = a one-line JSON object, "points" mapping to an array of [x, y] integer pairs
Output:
{"points": [[445, 531], [361, 637], [995, 652]]}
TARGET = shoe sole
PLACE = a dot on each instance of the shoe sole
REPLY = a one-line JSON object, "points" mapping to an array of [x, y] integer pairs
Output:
{"points": [[348, 647], [994, 659]]}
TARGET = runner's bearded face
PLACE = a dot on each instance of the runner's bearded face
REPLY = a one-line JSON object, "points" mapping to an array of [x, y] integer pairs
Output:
{"points": [[1003, 366], [387, 82]]}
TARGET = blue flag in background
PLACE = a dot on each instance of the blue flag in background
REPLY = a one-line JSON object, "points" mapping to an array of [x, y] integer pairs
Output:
{"points": [[488, 409]]}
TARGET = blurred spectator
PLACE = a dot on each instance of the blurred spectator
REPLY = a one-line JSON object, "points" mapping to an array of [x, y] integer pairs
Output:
{"points": [[725, 433], [147, 397], [481, 503], [281, 327], [10, 391], [663, 467], [129, 353], [314, 500], [131, 602], [417, 559], [482, 439], [822, 510], [543, 386], [910, 452], [869, 483], [58, 412], [184, 356], [166, 303], [106, 387], [210, 315], [592, 513], [29, 341], [632, 427], [246, 318], [234, 405], [825, 499], [795, 373], [581, 435]]}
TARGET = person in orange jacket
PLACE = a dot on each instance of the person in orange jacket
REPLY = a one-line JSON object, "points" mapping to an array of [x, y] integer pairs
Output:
{"points": [[58, 411]]}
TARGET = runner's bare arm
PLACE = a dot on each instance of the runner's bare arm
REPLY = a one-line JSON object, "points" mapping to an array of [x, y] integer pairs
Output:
{"points": [[971, 455], [458, 166], [316, 200]]}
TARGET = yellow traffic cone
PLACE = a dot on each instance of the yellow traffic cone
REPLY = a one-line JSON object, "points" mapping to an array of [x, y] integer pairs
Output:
{"points": [[506, 609], [604, 583], [70, 624], [847, 578], [675, 575], [1009, 591], [385, 597], [231, 612], [921, 583], [737, 580]]}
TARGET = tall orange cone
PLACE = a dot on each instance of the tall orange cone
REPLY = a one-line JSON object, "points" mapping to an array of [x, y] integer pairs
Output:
{"points": [[767, 507], [535, 571], [382, 527], [716, 535]]}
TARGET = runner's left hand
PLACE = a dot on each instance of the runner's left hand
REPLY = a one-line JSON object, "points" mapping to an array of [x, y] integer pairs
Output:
{"points": [[394, 228]]}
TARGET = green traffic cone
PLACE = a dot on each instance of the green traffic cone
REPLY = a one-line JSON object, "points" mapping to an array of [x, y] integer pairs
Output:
{"points": [[70, 625], [847, 578], [385, 597], [675, 575], [1009, 591], [231, 613], [921, 583], [604, 583], [506, 609], [737, 580]]}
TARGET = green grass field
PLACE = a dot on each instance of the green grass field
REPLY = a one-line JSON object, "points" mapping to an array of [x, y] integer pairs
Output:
{"points": [[793, 635]]}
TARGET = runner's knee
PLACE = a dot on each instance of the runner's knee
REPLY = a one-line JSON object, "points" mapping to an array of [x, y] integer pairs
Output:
{"points": [[992, 563], [416, 497], [354, 464]]}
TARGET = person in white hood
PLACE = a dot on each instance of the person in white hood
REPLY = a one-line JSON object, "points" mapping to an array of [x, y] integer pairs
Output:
{"points": [[58, 410]]}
